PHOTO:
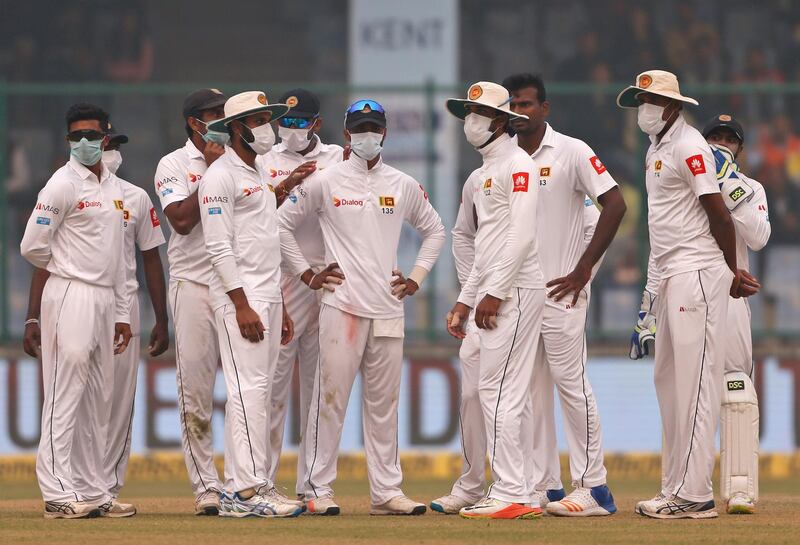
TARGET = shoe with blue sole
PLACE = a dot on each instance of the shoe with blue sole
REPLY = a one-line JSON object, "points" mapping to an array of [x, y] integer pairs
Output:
{"points": [[584, 502]]}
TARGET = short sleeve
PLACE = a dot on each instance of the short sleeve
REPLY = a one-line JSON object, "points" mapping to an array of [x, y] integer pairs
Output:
{"points": [[148, 226], [593, 178], [171, 182]]}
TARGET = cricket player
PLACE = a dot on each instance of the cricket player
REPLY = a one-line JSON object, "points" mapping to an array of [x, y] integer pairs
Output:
{"points": [[693, 250], [240, 228], [177, 179], [142, 230], [506, 288], [569, 171], [747, 203], [361, 205], [300, 153], [76, 233]]}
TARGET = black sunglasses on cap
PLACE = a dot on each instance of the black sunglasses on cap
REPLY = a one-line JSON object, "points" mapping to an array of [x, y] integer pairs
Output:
{"points": [[89, 134]]}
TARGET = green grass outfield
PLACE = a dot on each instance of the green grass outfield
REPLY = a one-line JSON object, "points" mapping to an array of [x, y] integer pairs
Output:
{"points": [[165, 518]]}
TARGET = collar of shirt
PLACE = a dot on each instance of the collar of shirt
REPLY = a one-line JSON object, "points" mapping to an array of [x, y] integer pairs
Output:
{"points": [[548, 140], [679, 123], [499, 148], [359, 165], [85, 173], [281, 148], [192, 150]]}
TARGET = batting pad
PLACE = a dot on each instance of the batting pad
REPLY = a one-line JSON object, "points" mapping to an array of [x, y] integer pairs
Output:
{"points": [[739, 437]]}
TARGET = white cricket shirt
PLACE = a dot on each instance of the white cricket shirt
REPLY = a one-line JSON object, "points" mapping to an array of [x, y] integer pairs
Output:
{"points": [[178, 176], [76, 230], [240, 226], [142, 230], [361, 212], [506, 203], [279, 162], [679, 169]]}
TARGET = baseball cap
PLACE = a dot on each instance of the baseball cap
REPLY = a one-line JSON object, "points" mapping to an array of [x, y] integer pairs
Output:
{"points": [[364, 111], [202, 99], [302, 103], [115, 138], [726, 121]]}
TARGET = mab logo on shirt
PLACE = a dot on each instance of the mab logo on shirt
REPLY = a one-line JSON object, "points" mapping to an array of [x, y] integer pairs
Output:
{"points": [[47, 208], [520, 182], [214, 198], [696, 164], [337, 202]]}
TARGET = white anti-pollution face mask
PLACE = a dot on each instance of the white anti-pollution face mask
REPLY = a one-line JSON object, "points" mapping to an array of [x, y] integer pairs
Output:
{"points": [[476, 129], [264, 139], [112, 160], [649, 118], [294, 139], [366, 145]]}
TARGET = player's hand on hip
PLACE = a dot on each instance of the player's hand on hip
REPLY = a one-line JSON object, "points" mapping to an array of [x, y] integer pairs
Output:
{"points": [[402, 286], [328, 278], [250, 325], [573, 283], [159, 339], [486, 312], [122, 336], [32, 340], [744, 284], [457, 320], [287, 328], [212, 152]]}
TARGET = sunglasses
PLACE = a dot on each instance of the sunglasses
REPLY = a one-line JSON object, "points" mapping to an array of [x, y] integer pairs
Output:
{"points": [[297, 122], [89, 134], [359, 106]]}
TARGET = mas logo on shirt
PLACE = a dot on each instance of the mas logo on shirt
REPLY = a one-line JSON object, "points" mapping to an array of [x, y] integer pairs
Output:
{"points": [[337, 202], [214, 198], [118, 205], [597, 164], [520, 182], [47, 208], [696, 164], [255, 189], [91, 204], [154, 217], [487, 187]]}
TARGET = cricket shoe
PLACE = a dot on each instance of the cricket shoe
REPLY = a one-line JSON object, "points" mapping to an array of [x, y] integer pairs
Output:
{"points": [[450, 504], [490, 508], [71, 510], [657, 498], [678, 508], [584, 502], [324, 506], [257, 506], [399, 505], [115, 509], [740, 504], [273, 494], [208, 503], [544, 497]]}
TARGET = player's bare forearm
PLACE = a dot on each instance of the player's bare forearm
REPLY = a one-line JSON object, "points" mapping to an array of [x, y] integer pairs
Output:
{"points": [[611, 215], [38, 280], [156, 285], [721, 226], [184, 215]]}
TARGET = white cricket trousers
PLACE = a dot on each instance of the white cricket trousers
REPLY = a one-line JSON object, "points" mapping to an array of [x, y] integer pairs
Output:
{"points": [[302, 304], [472, 482], [248, 368], [689, 366], [126, 369], [561, 360], [77, 363], [351, 344], [506, 365], [196, 361], [739, 340]]}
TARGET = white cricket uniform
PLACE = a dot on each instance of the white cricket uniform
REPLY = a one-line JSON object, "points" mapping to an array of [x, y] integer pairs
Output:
{"points": [[302, 304], [692, 310], [143, 231], [240, 226], [76, 233], [506, 266], [570, 177], [177, 177], [361, 212]]}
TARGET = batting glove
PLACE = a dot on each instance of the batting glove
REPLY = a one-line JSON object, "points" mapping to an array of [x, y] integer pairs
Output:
{"points": [[643, 338]]}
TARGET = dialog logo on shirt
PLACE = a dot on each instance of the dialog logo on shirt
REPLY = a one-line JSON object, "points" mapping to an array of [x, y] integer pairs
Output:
{"points": [[195, 177], [696, 164], [214, 198], [154, 217], [520, 182], [487, 187], [597, 164], [424, 193], [337, 202], [274, 173], [47, 208], [89, 204], [250, 190]]}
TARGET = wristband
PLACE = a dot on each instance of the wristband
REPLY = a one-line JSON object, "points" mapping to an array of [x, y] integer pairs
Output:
{"points": [[31, 321], [418, 275]]}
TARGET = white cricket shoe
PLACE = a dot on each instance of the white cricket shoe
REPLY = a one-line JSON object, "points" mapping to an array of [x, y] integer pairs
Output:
{"points": [[450, 504], [544, 497], [257, 506], [324, 506], [71, 510], [115, 509], [399, 505], [275, 495], [678, 508], [740, 504], [584, 502], [490, 508], [208, 503], [657, 498]]}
